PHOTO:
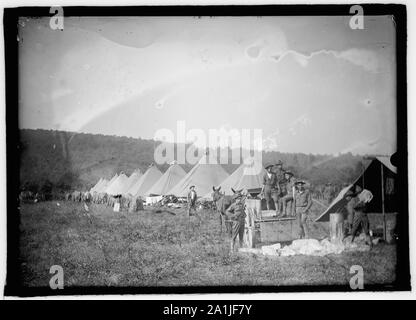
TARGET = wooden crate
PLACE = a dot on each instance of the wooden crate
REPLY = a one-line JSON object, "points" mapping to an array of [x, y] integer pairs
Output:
{"points": [[263, 226], [278, 230]]}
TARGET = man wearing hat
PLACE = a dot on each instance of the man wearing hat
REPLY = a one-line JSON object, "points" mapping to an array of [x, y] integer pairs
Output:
{"points": [[192, 196], [303, 202], [289, 194], [360, 218], [280, 183], [268, 189], [237, 215]]}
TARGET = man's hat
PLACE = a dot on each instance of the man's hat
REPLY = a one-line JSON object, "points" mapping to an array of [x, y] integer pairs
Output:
{"points": [[268, 166], [300, 182], [279, 163], [329, 184], [289, 173], [191, 187]]}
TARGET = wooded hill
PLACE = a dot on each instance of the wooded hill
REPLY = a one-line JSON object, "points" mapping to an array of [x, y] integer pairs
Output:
{"points": [[68, 160]]}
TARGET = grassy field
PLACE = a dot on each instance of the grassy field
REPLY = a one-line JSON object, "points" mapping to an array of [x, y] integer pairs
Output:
{"points": [[147, 248]]}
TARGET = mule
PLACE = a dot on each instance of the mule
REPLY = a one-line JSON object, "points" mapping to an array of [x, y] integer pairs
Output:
{"points": [[222, 202]]}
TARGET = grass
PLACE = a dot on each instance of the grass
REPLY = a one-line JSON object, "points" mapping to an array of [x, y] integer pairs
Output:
{"points": [[104, 248]]}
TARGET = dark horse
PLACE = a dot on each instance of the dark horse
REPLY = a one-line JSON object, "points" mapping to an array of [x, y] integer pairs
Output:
{"points": [[222, 202]]}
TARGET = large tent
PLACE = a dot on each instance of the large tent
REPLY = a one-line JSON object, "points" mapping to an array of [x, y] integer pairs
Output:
{"points": [[102, 186], [248, 176], [97, 185], [135, 176], [252, 176], [378, 177], [203, 176], [117, 186], [145, 182], [110, 182], [169, 179]]}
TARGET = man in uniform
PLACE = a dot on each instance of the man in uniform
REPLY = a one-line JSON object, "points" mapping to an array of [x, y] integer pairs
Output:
{"points": [[237, 215], [288, 195], [303, 202], [192, 196], [269, 190], [360, 216], [280, 183]]}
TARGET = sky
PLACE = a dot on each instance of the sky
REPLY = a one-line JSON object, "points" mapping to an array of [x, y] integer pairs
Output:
{"points": [[311, 84]]}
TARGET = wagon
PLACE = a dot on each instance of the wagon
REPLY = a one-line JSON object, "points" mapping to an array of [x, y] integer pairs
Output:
{"points": [[262, 226]]}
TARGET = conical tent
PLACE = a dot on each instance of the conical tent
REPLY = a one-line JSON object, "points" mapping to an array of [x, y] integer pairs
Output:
{"points": [[97, 185], [103, 185], [110, 182], [135, 176], [248, 176], [146, 181], [378, 170], [116, 188], [252, 178], [169, 179], [203, 176]]}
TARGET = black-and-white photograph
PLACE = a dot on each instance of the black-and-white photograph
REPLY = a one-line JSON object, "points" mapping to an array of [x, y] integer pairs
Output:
{"points": [[223, 152]]}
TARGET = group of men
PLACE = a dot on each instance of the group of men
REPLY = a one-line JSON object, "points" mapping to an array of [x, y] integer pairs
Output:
{"points": [[281, 188], [290, 198]]}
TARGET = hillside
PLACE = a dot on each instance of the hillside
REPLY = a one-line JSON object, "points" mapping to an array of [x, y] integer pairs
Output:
{"points": [[70, 160]]}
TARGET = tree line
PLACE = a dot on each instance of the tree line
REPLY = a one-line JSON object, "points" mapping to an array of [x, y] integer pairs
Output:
{"points": [[58, 161]]}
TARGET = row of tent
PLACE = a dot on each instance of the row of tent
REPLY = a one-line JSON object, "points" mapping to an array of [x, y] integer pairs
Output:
{"points": [[378, 176], [175, 181]]}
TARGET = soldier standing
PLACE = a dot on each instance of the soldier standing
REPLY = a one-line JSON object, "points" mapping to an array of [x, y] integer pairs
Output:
{"points": [[289, 194], [280, 185], [268, 189], [192, 196], [303, 202], [360, 216], [237, 215]]}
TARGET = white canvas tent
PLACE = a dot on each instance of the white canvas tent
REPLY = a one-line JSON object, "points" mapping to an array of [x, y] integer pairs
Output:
{"points": [[97, 186], [203, 176], [135, 176], [117, 186], [248, 177], [103, 185], [146, 181], [169, 179], [110, 182]]}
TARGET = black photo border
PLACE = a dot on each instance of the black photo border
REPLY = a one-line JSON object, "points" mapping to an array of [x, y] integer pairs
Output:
{"points": [[13, 285]]}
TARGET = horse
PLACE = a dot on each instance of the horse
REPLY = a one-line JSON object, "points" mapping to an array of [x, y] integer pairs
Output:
{"points": [[222, 202]]}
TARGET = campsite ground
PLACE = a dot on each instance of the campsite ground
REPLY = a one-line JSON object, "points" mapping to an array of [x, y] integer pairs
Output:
{"points": [[150, 248]]}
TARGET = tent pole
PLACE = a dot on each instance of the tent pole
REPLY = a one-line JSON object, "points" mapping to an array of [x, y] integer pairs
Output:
{"points": [[382, 202]]}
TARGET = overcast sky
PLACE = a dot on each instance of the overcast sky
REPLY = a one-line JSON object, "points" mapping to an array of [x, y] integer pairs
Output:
{"points": [[312, 84]]}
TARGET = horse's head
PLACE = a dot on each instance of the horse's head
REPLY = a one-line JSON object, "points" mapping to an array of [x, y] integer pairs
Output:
{"points": [[216, 195], [236, 193]]}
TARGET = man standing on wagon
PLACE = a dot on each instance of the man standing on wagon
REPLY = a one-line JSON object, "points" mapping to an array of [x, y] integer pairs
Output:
{"points": [[289, 194], [303, 202], [280, 184], [268, 189]]}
